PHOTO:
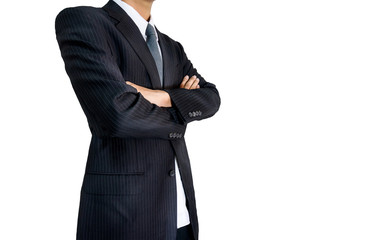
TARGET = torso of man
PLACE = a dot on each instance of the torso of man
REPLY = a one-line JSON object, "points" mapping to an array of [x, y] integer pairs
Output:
{"points": [[182, 211]]}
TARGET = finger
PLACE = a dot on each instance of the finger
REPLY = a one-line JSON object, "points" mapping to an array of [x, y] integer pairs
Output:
{"points": [[137, 87], [194, 84], [185, 79], [198, 86], [130, 83], [190, 82]]}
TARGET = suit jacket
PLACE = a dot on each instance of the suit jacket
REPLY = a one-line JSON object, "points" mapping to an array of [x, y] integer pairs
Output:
{"points": [[129, 186]]}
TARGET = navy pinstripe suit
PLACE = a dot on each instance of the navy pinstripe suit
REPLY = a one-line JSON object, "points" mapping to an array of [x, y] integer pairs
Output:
{"points": [[129, 189]]}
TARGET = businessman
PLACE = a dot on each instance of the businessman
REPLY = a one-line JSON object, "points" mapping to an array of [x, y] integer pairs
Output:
{"points": [[138, 91]]}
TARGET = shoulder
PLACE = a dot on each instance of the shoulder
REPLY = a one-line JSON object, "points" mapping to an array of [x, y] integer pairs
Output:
{"points": [[78, 12], [82, 11], [79, 16]]}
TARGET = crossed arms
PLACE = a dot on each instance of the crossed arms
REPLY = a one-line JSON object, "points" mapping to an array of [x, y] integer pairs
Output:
{"points": [[115, 108], [162, 98]]}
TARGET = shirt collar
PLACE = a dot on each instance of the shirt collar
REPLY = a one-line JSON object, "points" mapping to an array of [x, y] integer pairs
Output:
{"points": [[137, 18]]}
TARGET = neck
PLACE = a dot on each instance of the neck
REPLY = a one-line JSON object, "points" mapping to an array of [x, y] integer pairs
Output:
{"points": [[143, 7]]}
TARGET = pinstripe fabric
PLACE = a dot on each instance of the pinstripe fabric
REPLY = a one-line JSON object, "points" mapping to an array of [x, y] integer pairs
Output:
{"points": [[128, 191]]}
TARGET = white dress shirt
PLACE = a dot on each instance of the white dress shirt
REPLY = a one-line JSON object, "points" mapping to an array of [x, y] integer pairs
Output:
{"points": [[182, 211]]}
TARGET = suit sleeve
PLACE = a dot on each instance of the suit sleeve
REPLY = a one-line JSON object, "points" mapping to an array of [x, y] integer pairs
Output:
{"points": [[194, 104], [112, 108]]}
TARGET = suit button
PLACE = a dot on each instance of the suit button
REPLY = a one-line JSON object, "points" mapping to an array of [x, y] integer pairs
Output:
{"points": [[190, 114], [172, 173]]}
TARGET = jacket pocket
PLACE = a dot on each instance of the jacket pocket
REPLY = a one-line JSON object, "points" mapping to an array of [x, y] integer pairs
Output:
{"points": [[113, 183]]}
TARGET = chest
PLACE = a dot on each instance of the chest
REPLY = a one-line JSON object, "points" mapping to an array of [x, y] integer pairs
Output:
{"points": [[134, 67]]}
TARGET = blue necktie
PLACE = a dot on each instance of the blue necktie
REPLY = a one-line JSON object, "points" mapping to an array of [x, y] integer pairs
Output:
{"points": [[154, 49]]}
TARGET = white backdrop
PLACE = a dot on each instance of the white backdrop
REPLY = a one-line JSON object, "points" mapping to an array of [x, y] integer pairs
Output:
{"points": [[293, 153]]}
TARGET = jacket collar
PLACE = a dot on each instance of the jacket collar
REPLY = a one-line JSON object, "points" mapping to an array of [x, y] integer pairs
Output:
{"points": [[131, 32]]}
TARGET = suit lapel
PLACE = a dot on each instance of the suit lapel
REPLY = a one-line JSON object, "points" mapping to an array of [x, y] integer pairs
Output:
{"points": [[168, 65], [131, 32]]}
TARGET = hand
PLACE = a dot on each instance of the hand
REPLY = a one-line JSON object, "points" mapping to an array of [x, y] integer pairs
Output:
{"points": [[190, 83], [158, 97]]}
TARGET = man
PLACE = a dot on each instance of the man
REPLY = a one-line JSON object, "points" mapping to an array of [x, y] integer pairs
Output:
{"points": [[139, 91]]}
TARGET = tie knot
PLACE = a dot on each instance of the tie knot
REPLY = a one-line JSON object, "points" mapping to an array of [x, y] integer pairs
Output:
{"points": [[150, 31]]}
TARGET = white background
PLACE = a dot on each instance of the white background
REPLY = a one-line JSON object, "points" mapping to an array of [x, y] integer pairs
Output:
{"points": [[293, 153]]}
